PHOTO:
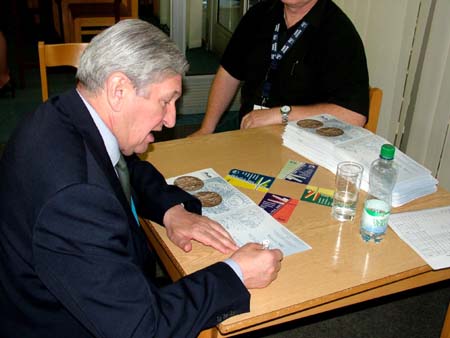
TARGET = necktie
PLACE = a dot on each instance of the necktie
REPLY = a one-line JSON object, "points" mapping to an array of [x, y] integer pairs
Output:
{"points": [[124, 178]]}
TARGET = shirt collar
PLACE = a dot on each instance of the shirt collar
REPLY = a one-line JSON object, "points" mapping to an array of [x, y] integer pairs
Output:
{"points": [[111, 144]]}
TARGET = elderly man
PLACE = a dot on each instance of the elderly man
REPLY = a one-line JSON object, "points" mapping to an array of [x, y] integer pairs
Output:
{"points": [[74, 261], [295, 59]]}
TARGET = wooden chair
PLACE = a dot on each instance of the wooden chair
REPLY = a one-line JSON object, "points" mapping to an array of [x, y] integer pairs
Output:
{"points": [[64, 54], [375, 96], [93, 18]]}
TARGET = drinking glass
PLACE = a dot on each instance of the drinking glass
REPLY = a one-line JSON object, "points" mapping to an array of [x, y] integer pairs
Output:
{"points": [[348, 182]]}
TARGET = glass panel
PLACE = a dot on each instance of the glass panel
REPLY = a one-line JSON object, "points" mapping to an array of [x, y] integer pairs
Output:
{"points": [[229, 13]]}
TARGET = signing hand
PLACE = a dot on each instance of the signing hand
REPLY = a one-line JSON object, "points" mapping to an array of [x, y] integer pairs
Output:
{"points": [[259, 266], [261, 117], [183, 226]]}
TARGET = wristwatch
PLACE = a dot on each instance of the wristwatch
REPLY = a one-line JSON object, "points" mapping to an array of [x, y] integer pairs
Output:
{"points": [[285, 110]]}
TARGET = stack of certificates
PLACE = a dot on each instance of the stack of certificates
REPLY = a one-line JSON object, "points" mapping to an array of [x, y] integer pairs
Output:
{"points": [[327, 141]]}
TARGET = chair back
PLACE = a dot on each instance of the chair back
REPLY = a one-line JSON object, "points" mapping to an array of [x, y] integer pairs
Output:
{"points": [[375, 97], [93, 18], [55, 55]]}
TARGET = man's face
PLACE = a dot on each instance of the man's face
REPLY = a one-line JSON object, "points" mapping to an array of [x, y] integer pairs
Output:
{"points": [[142, 114]]}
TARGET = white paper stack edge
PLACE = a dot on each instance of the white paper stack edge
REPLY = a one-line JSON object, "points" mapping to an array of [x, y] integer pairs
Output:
{"points": [[362, 146]]}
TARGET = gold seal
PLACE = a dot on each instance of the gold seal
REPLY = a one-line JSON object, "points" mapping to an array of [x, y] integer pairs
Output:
{"points": [[209, 198], [309, 123], [329, 131], [188, 183]]}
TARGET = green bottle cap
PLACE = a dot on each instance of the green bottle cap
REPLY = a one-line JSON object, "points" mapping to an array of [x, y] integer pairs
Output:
{"points": [[387, 151]]}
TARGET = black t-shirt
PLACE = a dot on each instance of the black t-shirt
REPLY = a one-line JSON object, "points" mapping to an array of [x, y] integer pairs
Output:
{"points": [[327, 64]]}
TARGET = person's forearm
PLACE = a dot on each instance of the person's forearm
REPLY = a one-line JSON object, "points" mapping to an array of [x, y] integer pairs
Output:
{"points": [[265, 117], [223, 89], [346, 115]]}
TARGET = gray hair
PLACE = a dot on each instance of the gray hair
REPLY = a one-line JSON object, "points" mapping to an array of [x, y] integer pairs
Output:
{"points": [[134, 47]]}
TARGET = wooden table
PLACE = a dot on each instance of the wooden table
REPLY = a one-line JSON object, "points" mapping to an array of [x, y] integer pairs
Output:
{"points": [[340, 269]]}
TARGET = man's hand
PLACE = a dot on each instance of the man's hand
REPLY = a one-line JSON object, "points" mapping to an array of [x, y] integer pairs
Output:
{"points": [[261, 117], [259, 266], [183, 226]]}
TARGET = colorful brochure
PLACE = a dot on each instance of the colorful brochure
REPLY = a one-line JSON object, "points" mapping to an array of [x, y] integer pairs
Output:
{"points": [[249, 180], [299, 172], [280, 207]]}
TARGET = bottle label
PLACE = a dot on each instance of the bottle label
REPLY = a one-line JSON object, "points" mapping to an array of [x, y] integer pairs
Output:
{"points": [[375, 216]]}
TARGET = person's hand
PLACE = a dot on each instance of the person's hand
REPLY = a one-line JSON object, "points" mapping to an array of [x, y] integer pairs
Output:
{"points": [[261, 117], [259, 266], [183, 226]]}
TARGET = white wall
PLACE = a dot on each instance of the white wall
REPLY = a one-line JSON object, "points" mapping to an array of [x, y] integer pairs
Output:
{"points": [[429, 140], [387, 29], [164, 12], [194, 23]]}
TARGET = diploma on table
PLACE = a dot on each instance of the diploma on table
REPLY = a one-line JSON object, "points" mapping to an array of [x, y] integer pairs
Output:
{"points": [[242, 218]]}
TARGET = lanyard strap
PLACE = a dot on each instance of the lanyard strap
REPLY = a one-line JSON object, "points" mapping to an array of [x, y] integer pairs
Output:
{"points": [[276, 55]]}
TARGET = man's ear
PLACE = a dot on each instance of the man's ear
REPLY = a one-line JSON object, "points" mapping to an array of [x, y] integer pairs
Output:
{"points": [[117, 87]]}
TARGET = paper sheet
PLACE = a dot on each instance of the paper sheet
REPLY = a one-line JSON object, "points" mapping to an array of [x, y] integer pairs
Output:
{"points": [[242, 218], [427, 232]]}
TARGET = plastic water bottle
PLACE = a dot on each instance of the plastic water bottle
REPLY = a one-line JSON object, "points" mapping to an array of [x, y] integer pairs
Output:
{"points": [[377, 207]]}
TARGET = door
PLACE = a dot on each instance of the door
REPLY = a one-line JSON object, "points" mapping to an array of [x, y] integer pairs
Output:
{"points": [[225, 16]]}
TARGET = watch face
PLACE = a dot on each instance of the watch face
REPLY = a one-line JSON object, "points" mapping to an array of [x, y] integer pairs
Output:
{"points": [[285, 109]]}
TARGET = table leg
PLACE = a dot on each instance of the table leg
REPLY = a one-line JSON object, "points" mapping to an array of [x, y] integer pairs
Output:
{"points": [[445, 333]]}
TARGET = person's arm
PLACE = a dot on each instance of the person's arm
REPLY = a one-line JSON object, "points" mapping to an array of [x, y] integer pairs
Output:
{"points": [[93, 262], [183, 226], [222, 91], [177, 210], [264, 117]]}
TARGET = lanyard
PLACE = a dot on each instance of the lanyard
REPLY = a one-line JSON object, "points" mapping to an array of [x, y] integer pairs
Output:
{"points": [[276, 56]]}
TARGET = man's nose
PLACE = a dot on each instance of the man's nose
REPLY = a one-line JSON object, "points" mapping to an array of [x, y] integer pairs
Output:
{"points": [[171, 116]]}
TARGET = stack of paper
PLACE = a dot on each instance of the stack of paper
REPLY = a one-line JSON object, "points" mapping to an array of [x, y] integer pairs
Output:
{"points": [[362, 146]]}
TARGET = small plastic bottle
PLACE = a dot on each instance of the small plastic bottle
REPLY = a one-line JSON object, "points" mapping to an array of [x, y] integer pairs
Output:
{"points": [[377, 207]]}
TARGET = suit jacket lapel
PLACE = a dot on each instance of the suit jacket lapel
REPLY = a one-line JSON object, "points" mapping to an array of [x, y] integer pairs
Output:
{"points": [[74, 107]]}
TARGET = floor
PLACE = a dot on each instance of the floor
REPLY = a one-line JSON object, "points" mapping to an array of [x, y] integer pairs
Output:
{"points": [[412, 314]]}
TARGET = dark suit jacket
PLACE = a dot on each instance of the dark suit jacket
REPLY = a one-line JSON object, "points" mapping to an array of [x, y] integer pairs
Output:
{"points": [[73, 262]]}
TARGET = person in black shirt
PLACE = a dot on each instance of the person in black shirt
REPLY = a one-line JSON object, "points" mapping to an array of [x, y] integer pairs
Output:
{"points": [[319, 66]]}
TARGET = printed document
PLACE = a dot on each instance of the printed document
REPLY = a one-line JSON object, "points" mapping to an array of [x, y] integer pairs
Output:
{"points": [[242, 218], [427, 232]]}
